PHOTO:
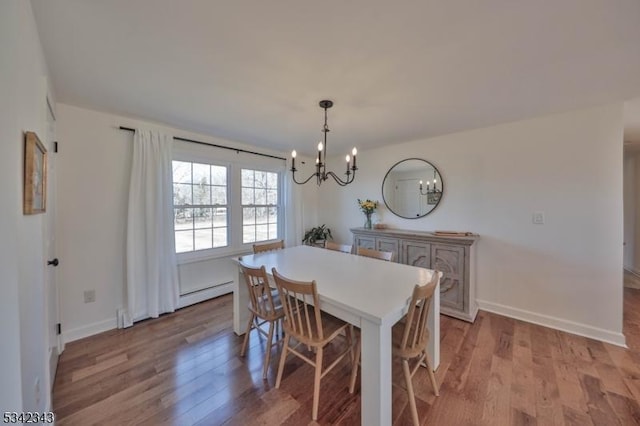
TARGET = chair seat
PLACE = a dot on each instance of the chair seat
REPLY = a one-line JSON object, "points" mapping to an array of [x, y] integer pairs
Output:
{"points": [[331, 327]]}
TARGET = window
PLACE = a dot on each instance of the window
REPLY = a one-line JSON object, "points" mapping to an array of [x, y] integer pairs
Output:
{"points": [[260, 195], [200, 206]]}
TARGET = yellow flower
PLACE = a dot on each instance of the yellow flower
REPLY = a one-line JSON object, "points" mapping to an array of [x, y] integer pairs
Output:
{"points": [[367, 206]]}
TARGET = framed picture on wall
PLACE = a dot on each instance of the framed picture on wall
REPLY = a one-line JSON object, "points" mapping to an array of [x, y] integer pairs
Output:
{"points": [[35, 175]]}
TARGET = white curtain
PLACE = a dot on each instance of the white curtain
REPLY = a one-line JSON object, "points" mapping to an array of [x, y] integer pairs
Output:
{"points": [[152, 274], [294, 212]]}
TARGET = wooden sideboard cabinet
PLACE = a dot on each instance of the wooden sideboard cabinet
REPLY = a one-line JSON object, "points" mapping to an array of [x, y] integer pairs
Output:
{"points": [[454, 256]]}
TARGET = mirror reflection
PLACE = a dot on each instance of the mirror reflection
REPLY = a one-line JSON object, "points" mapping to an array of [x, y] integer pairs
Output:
{"points": [[412, 188]]}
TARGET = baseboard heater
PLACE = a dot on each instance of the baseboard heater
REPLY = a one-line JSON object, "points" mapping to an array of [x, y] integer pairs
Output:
{"points": [[213, 286]]}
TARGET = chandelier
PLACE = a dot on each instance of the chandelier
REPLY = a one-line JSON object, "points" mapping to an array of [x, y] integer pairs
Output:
{"points": [[429, 189], [321, 174]]}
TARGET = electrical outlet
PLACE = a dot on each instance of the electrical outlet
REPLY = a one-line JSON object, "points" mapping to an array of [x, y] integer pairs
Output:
{"points": [[538, 218], [89, 296]]}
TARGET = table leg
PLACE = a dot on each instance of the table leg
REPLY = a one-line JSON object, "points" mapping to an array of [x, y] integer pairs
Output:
{"points": [[240, 303], [376, 373], [433, 322]]}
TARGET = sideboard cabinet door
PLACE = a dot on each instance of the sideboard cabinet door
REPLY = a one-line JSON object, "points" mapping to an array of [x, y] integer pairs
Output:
{"points": [[416, 253], [364, 241], [449, 260], [389, 244]]}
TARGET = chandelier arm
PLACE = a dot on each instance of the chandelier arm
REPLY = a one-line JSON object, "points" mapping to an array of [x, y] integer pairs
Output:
{"points": [[293, 175], [338, 180]]}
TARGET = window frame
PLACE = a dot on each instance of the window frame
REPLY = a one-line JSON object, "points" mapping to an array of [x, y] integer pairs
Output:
{"points": [[279, 205], [234, 204]]}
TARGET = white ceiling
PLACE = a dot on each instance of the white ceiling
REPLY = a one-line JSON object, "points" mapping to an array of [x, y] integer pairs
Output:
{"points": [[254, 70]]}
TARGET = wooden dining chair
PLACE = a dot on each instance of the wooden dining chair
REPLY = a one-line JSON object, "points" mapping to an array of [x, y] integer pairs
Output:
{"points": [[276, 245], [264, 306], [376, 254], [409, 338], [345, 248], [308, 325]]}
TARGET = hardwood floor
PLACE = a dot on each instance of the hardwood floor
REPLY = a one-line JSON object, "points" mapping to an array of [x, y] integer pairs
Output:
{"points": [[184, 369]]}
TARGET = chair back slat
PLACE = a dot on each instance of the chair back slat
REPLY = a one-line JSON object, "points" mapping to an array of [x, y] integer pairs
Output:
{"points": [[300, 303], [415, 333], [260, 297], [276, 245], [376, 254]]}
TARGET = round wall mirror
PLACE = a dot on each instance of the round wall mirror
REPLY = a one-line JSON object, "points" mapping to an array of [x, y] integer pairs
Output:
{"points": [[412, 188]]}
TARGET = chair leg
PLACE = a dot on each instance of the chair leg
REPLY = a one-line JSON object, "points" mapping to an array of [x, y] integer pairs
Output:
{"points": [[267, 356], [316, 384], [246, 335], [432, 376], [354, 367], [412, 397], [283, 357]]}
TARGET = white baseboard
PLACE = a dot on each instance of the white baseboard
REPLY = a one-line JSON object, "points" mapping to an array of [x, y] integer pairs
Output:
{"points": [[584, 330], [89, 330], [110, 324]]}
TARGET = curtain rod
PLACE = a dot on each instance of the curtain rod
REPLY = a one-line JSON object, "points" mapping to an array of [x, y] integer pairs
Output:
{"points": [[237, 150]]}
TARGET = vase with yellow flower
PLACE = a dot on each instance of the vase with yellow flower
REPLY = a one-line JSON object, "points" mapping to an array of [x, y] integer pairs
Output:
{"points": [[367, 207]]}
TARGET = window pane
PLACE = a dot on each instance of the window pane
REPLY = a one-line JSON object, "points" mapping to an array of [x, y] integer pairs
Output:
{"points": [[261, 215], [203, 217], [272, 180], [204, 239], [184, 241], [219, 175], [262, 232], [219, 195], [201, 174], [182, 218], [273, 232], [219, 237], [181, 172], [220, 217], [273, 215], [261, 196], [248, 215], [247, 196], [272, 196], [248, 234], [201, 195], [260, 179], [247, 178], [181, 194]]}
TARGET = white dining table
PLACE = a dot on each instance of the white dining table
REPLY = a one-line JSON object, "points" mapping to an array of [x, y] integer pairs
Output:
{"points": [[369, 293]]}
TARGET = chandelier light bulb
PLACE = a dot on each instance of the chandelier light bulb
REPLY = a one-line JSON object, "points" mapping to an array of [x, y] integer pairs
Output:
{"points": [[294, 154], [354, 151], [347, 158], [320, 146]]}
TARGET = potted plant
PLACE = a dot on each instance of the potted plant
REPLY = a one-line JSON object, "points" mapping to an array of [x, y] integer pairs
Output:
{"points": [[317, 235]]}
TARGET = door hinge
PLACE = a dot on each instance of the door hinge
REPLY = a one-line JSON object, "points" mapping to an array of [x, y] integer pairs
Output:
{"points": [[55, 146], [59, 328]]}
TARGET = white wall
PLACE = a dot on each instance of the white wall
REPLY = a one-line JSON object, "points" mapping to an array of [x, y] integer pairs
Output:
{"points": [[566, 273], [93, 183], [23, 90]]}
